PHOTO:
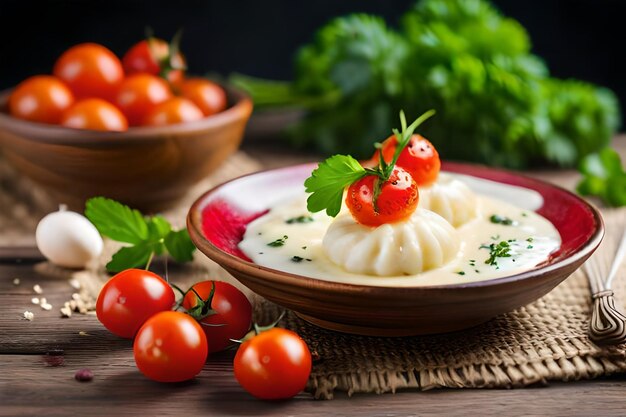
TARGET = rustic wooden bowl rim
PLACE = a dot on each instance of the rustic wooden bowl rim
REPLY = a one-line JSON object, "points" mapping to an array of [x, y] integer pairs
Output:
{"points": [[229, 261]]}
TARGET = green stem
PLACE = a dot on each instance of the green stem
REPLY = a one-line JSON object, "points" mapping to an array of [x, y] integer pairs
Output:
{"points": [[147, 268]]}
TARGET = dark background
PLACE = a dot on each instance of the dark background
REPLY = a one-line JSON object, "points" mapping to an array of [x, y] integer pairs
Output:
{"points": [[582, 39]]}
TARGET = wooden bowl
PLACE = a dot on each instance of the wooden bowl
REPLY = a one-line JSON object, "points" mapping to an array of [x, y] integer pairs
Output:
{"points": [[148, 168], [388, 311]]}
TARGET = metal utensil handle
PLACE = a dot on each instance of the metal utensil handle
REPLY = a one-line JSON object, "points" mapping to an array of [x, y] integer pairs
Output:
{"points": [[617, 262]]}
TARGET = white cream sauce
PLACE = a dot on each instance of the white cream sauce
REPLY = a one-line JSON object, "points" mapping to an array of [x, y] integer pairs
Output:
{"points": [[277, 241]]}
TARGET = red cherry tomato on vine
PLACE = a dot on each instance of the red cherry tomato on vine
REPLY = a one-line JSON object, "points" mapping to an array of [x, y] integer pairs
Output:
{"points": [[170, 347], [139, 94], [419, 158], [173, 111], [90, 70], [207, 95], [41, 98], [129, 298], [151, 56], [274, 364], [94, 114], [397, 200], [234, 313]]}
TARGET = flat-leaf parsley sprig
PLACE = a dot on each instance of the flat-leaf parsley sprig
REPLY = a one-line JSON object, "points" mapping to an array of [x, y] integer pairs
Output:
{"points": [[148, 236], [331, 177]]}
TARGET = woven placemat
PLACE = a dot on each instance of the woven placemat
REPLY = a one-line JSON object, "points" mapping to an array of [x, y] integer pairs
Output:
{"points": [[544, 341]]}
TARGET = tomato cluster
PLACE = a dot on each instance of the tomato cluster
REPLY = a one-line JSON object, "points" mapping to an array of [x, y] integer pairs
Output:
{"points": [[172, 346], [372, 203], [92, 89]]}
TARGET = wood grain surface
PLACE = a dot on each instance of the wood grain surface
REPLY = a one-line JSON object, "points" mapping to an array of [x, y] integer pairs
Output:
{"points": [[29, 386]]}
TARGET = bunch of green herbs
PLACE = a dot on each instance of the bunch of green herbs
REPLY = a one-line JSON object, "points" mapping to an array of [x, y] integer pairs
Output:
{"points": [[496, 101]]}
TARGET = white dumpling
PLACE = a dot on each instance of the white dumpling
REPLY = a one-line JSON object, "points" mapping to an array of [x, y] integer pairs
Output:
{"points": [[451, 199], [424, 241]]}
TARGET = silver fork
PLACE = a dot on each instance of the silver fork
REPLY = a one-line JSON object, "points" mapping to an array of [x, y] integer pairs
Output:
{"points": [[608, 322]]}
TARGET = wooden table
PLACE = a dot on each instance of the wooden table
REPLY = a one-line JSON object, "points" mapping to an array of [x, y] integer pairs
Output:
{"points": [[29, 386]]}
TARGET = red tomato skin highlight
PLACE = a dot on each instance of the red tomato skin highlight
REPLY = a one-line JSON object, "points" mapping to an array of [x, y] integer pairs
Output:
{"points": [[419, 158], [146, 57], [90, 70], [173, 111], [234, 313], [170, 347], [94, 114], [207, 95], [129, 298], [41, 98], [139, 94], [273, 365], [397, 200]]}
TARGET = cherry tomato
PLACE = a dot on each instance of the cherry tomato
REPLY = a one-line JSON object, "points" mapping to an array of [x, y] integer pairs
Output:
{"points": [[207, 95], [172, 111], [129, 298], [234, 313], [41, 98], [170, 347], [139, 94], [397, 200], [94, 114], [274, 364], [90, 70], [419, 158], [151, 56]]}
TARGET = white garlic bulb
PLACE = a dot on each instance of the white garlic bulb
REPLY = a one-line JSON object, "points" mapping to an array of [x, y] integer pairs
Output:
{"points": [[68, 239]]}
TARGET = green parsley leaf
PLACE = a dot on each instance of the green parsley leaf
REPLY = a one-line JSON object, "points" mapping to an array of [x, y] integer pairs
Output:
{"points": [[179, 245], [149, 235], [158, 228], [136, 256], [604, 177], [116, 221], [328, 180]]}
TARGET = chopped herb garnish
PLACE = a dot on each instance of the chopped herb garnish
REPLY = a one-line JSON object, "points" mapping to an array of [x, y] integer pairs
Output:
{"points": [[299, 219], [304, 247], [297, 259], [530, 239], [278, 242], [477, 271], [529, 247], [309, 259], [499, 250], [497, 219], [260, 253], [496, 237], [259, 233], [524, 214], [461, 272]]}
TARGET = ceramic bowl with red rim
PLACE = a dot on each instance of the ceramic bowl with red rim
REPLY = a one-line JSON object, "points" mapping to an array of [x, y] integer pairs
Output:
{"points": [[218, 219]]}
